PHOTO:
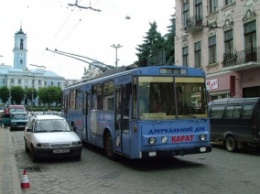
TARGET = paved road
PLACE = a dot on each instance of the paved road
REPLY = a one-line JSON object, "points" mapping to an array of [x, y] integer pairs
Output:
{"points": [[215, 172]]}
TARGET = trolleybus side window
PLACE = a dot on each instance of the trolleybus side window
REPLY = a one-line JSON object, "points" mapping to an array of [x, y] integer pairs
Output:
{"points": [[79, 101], [97, 102], [72, 99], [108, 96]]}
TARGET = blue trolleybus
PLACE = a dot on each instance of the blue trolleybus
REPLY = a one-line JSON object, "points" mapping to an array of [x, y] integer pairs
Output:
{"points": [[148, 112]]}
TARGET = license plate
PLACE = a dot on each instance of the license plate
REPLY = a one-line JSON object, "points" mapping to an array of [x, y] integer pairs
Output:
{"points": [[60, 151]]}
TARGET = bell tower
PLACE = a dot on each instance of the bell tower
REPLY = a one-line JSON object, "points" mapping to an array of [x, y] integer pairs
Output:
{"points": [[20, 50]]}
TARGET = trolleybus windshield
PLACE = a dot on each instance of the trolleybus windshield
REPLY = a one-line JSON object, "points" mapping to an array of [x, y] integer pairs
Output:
{"points": [[170, 98]]}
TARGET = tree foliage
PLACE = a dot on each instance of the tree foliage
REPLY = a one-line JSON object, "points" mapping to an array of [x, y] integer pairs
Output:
{"points": [[157, 49], [17, 94], [4, 94], [150, 51], [170, 41], [49, 95], [29, 91]]}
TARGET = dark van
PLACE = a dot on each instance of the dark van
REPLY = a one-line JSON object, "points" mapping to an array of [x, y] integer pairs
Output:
{"points": [[236, 122]]}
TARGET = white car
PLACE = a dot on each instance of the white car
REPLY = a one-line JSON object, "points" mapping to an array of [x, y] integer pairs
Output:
{"points": [[50, 136]]}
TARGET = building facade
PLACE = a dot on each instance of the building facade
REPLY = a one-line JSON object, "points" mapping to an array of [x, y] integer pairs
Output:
{"points": [[222, 37], [20, 75]]}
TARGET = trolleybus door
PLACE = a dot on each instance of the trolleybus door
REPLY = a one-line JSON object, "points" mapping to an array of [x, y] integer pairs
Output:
{"points": [[85, 116], [122, 130]]}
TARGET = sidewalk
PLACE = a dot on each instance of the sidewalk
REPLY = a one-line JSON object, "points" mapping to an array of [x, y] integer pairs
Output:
{"points": [[9, 179]]}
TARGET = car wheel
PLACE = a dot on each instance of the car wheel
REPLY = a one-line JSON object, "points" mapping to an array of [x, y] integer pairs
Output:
{"points": [[34, 155], [26, 147], [109, 146], [231, 144]]}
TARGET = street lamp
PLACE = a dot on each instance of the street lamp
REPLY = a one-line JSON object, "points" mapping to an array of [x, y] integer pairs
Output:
{"points": [[116, 47], [33, 75], [32, 87], [10, 94]]}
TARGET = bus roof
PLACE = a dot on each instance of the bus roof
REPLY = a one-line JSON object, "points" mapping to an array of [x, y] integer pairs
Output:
{"points": [[172, 70]]}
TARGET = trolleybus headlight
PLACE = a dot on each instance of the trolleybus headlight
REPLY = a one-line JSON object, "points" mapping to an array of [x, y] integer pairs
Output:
{"points": [[203, 137], [152, 140]]}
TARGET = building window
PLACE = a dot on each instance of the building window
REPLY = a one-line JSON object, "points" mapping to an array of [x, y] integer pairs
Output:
{"points": [[21, 43], [19, 81], [39, 82], [250, 35], [12, 80], [59, 84], [185, 13], [185, 54], [250, 41], [213, 5], [3, 81], [45, 83], [198, 10], [51, 83], [21, 61], [227, 2], [212, 50], [228, 41], [197, 54]]}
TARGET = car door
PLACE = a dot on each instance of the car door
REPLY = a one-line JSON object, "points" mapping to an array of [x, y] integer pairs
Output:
{"points": [[29, 130]]}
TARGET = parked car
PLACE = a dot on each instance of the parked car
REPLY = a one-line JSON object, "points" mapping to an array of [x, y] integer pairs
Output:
{"points": [[50, 136], [236, 122], [6, 117], [18, 120]]}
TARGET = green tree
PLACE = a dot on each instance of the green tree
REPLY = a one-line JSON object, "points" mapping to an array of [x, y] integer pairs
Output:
{"points": [[4, 94], [170, 41], [151, 51], [50, 95], [28, 93], [17, 94], [42, 92], [58, 95]]}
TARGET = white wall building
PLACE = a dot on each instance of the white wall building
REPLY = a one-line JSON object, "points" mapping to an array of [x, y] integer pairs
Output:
{"points": [[222, 37]]}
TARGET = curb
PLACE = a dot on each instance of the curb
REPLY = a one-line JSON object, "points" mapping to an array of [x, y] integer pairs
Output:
{"points": [[15, 176]]}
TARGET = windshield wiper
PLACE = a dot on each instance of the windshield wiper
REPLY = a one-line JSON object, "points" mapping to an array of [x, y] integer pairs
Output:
{"points": [[57, 130], [40, 131]]}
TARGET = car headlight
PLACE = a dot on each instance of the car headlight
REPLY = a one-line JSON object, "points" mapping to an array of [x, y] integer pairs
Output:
{"points": [[203, 137], [152, 140], [43, 145], [75, 143]]}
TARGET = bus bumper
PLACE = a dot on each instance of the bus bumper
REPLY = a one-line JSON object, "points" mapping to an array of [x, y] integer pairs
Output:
{"points": [[179, 152]]}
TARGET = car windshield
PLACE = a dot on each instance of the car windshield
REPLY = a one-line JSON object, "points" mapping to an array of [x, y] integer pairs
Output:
{"points": [[52, 125]]}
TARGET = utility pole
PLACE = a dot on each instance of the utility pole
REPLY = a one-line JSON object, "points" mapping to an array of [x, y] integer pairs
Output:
{"points": [[116, 47], [33, 76], [10, 93]]}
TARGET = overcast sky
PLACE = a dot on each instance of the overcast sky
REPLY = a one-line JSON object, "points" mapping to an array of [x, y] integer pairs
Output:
{"points": [[55, 25]]}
